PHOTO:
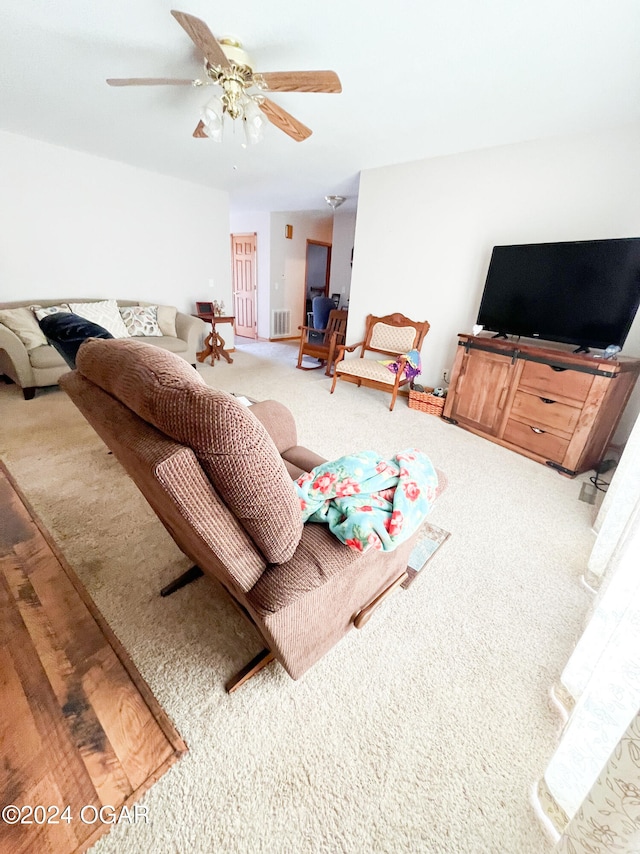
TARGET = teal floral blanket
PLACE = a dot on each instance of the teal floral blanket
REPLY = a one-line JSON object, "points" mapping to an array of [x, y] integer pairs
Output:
{"points": [[368, 501]]}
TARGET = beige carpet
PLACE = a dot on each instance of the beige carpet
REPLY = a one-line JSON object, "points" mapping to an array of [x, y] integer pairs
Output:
{"points": [[425, 731]]}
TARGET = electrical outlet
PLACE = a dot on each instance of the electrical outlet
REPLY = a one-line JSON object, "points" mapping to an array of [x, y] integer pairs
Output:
{"points": [[445, 374]]}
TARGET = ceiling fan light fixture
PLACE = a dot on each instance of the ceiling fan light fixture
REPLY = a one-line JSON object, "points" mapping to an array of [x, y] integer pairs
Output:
{"points": [[254, 122], [227, 65], [335, 201], [212, 116], [235, 53]]}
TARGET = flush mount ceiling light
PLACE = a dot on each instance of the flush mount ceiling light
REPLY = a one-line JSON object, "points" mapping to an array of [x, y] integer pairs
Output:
{"points": [[227, 66], [335, 201]]}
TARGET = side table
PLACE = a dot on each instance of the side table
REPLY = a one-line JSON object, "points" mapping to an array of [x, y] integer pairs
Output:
{"points": [[214, 342]]}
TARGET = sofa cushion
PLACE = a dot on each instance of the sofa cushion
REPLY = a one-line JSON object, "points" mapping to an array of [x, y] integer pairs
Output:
{"points": [[141, 321], [22, 322], [167, 320], [45, 357], [173, 345], [231, 444], [103, 312]]}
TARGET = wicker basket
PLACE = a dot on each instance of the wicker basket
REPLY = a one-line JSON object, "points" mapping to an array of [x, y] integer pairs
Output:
{"points": [[426, 402]]}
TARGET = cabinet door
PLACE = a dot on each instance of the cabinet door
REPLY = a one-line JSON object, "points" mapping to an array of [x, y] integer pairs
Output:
{"points": [[481, 390]]}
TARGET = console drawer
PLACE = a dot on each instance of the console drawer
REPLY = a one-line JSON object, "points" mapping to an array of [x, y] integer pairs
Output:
{"points": [[544, 444], [542, 379], [542, 411]]}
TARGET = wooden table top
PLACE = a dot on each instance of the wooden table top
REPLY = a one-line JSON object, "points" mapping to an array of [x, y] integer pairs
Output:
{"points": [[216, 318], [79, 728]]}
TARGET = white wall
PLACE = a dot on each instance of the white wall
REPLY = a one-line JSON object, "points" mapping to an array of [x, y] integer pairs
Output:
{"points": [[288, 259], [75, 225], [344, 227], [425, 230], [281, 261]]}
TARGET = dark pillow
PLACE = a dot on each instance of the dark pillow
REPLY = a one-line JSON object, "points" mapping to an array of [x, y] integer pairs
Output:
{"points": [[66, 332], [232, 446]]}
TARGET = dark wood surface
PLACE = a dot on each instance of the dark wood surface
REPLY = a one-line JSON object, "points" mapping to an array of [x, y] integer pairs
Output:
{"points": [[214, 342], [79, 728]]}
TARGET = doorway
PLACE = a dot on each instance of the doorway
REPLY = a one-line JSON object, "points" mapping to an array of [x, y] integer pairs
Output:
{"points": [[244, 282], [317, 270]]}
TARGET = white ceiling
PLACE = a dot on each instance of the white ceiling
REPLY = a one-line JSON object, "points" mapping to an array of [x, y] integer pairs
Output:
{"points": [[420, 78]]}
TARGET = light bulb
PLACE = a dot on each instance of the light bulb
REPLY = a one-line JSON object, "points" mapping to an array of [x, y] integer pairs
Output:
{"points": [[254, 122], [212, 116]]}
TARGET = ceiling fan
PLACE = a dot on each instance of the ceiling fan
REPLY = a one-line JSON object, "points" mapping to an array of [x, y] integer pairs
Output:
{"points": [[228, 66]]}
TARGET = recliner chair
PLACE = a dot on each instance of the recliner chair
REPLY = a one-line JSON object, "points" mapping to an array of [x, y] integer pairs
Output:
{"points": [[219, 475]]}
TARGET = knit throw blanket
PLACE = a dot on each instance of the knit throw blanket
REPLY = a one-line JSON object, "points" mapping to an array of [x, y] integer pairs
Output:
{"points": [[412, 367], [368, 501]]}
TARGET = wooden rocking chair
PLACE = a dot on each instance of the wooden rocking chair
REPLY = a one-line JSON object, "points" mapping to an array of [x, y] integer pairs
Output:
{"points": [[325, 349]]}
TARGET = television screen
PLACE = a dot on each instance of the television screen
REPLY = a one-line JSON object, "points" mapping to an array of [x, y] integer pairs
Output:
{"points": [[584, 292]]}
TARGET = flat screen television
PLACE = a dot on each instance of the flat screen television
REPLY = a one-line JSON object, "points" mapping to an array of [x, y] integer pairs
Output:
{"points": [[583, 292]]}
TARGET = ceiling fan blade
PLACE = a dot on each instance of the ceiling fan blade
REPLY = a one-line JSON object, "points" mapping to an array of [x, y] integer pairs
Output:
{"points": [[147, 81], [202, 37], [302, 81], [285, 121], [199, 131]]}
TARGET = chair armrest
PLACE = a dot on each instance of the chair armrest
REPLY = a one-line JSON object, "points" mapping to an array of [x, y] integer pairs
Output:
{"points": [[16, 363], [190, 329], [343, 348], [278, 422], [188, 326], [310, 329]]}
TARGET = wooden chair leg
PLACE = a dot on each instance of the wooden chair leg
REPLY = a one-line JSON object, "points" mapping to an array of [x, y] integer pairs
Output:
{"points": [[300, 354], [331, 355], [394, 393], [256, 664]]}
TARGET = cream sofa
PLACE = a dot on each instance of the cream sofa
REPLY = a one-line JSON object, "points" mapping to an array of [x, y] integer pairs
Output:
{"points": [[32, 367]]}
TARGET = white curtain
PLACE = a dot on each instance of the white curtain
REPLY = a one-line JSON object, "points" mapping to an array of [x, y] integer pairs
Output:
{"points": [[609, 818], [619, 505], [590, 792]]}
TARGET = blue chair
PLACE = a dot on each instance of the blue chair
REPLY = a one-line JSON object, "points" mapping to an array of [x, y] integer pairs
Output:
{"points": [[320, 308]]}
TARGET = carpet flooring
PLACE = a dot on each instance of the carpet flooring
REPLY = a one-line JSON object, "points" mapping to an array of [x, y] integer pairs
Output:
{"points": [[424, 732]]}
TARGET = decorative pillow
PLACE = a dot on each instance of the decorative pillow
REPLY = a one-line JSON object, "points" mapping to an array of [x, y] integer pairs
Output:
{"points": [[41, 312], [232, 446], [22, 322], [103, 312], [141, 320], [167, 320]]}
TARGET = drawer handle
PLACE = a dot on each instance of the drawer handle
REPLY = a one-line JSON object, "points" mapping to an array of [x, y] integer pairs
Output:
{"points": [[538, 430], [547, 400], [557, 368]]}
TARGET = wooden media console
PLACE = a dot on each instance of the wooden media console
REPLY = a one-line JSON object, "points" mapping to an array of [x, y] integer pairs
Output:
{"points": [[557, 407]]}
